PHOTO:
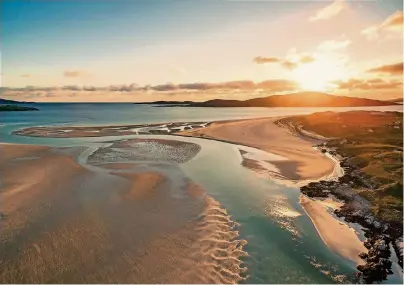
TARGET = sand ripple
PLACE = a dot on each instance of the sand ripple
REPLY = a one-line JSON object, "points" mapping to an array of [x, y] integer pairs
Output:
{"points": [[217, 250]]}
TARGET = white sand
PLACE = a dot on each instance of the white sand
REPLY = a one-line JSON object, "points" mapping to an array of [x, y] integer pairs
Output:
{"points": [[304, 163], [336, 235]]}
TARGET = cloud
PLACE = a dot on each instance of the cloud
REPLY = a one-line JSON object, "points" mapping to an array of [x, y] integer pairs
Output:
{"points": [[286, 63], [262, 60], [164, 87], [393, 69], [196, 86], [368, 84], [393, 24], [242, 84], [72, 88], [289, 64], [124, 88], [394, 21], [271, 85], [25, 75], [329, 11], [280, 85], [72, 73], [307, 59], [333, 45], [75, 73]]}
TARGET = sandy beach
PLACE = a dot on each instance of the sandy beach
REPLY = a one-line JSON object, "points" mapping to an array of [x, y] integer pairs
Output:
{"points": [[338, 236], [304, 162], [126, 189], [63, 222]]}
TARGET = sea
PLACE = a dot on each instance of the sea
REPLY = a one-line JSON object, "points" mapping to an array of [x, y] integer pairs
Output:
{"points": [[282, 246]]}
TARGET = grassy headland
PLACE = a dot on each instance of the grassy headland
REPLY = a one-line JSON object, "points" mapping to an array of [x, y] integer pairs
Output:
{"points": [[370, 145], [373, 142]]}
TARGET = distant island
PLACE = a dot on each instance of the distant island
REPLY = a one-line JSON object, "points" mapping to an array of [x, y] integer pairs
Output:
{"points": [[8, 108], [300, 99], [8, 102], [12, 105]]}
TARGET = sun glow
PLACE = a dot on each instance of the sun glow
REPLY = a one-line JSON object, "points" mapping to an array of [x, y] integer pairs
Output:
{"points": [[319, 75]]}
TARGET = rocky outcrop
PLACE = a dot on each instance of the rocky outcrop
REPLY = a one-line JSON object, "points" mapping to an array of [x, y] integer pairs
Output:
{"points": [[379, 235]]}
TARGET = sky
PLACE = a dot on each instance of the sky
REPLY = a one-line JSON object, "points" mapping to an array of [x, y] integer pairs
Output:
{"points": [[143, 50]]}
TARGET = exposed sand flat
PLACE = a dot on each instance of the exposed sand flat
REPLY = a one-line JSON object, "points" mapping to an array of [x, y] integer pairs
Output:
{"points": [[29, 173], [158, 150], [99, 131], [11, 151], [67, 224], [336, 235], [143, 184], [304, 161]]}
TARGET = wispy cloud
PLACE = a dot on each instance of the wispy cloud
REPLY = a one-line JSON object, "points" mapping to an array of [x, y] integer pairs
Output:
{"points": [[25, 75], [393, 24], [368, 84], [273, 85], [262, 60], [307, 59], [392, 69], [289, 64], [72, 73], [330, 11], [76, 73], [285, 62]]}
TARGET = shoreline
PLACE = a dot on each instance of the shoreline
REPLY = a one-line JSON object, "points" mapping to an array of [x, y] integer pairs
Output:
{"points": [[304, 163], [381, 239], [277, 139], [339, 237]]}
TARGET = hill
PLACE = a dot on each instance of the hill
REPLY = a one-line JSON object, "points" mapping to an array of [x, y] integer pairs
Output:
{"points": [[14, 107], [6, 101], [300, 99]]}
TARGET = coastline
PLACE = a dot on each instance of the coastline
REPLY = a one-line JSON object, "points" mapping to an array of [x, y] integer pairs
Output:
{"points": [[336, 235], [297, 149], [382, 239], [302, 162]]}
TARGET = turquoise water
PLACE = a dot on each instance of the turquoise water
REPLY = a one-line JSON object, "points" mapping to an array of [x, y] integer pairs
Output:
{"points": [[283, 245], [117, 113]]}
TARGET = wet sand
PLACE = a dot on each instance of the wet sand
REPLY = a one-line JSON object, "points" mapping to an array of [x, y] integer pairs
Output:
{"points": [[101, 131], [303, 161], [63, 222], [336, 235]]}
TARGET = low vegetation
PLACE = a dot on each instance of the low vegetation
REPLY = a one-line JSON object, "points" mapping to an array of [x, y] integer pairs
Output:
{"points": [[373, 141], [370, 146]]}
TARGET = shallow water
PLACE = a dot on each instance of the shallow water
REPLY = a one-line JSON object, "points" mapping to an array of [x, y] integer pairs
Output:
{"points": [[282, 243]]}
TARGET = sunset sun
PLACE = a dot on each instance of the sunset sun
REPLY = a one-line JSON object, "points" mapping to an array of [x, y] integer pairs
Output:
{"points": [[319, 75]]}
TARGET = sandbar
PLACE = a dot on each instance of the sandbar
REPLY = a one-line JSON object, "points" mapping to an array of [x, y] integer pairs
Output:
{"points": [[336, 235], [304, 162]]}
